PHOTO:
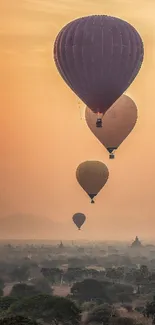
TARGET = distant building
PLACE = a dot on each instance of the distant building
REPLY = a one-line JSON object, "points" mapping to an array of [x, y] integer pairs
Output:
{"points": [[61, 246], [80, 249], [112, 250], [28, 257], [136, 243]]}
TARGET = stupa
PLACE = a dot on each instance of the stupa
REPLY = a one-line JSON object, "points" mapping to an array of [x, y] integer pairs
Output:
{"points": [[136, 243]]}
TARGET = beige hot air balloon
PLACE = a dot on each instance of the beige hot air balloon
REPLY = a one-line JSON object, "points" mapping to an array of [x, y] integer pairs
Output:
{"points": [[92, 176], [118, 122]]}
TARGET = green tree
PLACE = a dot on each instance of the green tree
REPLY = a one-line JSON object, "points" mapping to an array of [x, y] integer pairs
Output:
{"points": [[121, 292], [144, 271], [149, 310], [21, 290], [115, 274], [1, 292], [20, 273], [88, 305], [74, 274], [74, 262], [152, 277], [124, 297], [122, 321], [88, 289], [140, 309], [47, 308], [42, 285], [6, 302], [101, 291], [2, 284], [17, 320], [53, 275], [101, 314]]}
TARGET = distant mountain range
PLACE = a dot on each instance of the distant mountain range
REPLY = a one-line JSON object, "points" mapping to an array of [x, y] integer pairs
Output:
{"points": [[22, 226]]}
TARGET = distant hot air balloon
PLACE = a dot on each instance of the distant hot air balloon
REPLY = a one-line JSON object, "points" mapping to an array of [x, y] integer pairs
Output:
{"points": [[92, 176], [98, 57], [79, 219], [118, 122]]}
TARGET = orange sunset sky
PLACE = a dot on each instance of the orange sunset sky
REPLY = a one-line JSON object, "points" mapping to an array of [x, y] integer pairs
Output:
{"points": [[43, 137]]}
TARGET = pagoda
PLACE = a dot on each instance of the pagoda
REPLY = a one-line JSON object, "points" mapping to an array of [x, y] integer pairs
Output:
{"points": [[61, 246], [136, 243]]}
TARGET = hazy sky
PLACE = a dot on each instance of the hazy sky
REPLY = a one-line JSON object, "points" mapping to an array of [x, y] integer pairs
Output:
{"points": [[43, 138]]}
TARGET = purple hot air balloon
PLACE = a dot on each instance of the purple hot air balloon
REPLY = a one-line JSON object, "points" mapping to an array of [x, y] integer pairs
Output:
{"points": [[98, 57], [79, 219]]}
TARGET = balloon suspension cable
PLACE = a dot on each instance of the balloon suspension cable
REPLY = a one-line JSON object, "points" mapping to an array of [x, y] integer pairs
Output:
{"points": [[81, 111], [92, 201]]}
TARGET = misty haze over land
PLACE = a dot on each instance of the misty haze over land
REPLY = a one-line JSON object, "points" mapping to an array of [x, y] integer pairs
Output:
{"points": [[21, 226]]}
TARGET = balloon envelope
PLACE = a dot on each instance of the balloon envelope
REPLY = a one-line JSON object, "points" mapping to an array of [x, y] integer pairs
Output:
{"points": [[92, 176], [118, 122], [98, 57], [79, 219]]}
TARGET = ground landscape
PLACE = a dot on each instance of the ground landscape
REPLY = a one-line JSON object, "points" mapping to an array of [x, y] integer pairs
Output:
{"points": [[78, 282]]}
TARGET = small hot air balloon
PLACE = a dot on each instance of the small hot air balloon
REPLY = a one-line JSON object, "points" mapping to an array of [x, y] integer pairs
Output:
{"points": [[118, 122], [98, 57], [92, 176], [79, 219]]}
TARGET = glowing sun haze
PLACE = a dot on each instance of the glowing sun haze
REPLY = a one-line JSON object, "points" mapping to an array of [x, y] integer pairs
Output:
{"points": [[43, 138]]}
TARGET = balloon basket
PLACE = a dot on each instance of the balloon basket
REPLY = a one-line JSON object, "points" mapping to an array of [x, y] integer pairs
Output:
{"points": [[111, 156], [99, 123]]}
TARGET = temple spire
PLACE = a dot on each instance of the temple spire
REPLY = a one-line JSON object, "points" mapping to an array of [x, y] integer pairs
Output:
{"points": [[136, 243]]}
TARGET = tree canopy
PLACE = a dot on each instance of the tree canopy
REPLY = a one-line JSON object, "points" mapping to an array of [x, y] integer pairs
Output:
{"points": [[101, 314], [17, 320], [48, 308], [21, 290]]}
